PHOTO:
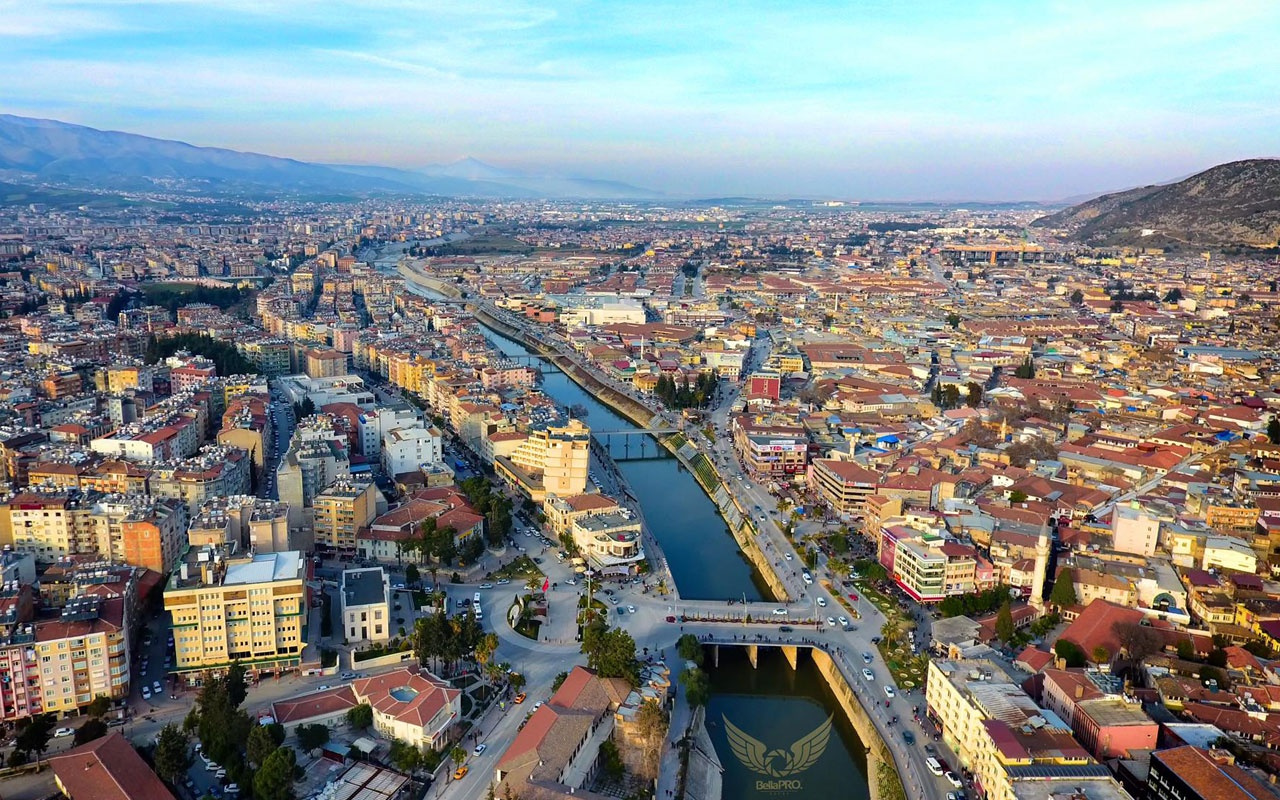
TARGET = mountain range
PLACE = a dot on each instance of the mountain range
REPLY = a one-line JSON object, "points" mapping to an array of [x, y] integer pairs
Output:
{"points": [[74, 155], [1233, 204]]}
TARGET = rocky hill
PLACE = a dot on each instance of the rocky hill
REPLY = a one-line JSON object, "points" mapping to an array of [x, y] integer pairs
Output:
{"points": [[1234, 204]]}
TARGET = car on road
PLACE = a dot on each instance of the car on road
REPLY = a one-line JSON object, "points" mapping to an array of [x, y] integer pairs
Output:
{"points": [[779, 612], [486, 586], [790, 557], [324, 687], [503, 581], [831, 621], [480, 748], [146, 693], [866, 658], [784, 629], [520, 697], [853, 597], [613, 600], [868, 674], [808, 579], [460, 773], [843, 620], [61, 732], [537, 705], [908, 737], [348, 676], [888, 691], [631, 609], [156, 688], [822, 602], [952, 779]]}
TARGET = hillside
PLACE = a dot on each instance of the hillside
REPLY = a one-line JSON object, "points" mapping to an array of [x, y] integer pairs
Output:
{"points": [[48, 151], [1234, 204]]}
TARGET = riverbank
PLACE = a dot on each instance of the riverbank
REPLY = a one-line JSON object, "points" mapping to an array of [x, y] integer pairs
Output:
{"points": [[703, 470], [425, 281]]}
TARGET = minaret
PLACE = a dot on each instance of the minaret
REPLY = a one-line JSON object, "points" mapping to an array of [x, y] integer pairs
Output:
{"points": [[1042, 566]]}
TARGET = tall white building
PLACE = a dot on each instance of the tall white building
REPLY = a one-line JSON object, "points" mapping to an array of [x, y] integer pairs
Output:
{"points": [[405, 449]]}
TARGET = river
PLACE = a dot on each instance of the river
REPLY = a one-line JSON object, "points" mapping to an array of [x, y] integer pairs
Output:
{"points": [[704, 559]]}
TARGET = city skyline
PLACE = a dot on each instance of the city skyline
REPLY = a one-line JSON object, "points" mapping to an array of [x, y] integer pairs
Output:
{"points": [[867, 101]]}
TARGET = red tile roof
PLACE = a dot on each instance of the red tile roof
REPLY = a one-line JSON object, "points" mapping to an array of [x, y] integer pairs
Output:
{"points": [[107, 769]]}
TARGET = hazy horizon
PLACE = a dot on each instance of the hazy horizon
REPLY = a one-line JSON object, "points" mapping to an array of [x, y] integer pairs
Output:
{"points": [[994, 101]]}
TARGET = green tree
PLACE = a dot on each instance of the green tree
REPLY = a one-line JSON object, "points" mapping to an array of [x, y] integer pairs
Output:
{"points": [[1004, 623], [99, 706], [558, 681], [93, 728], [360, 717], [1077, 298], [171, 758], [1026, 369], [611, 653], [1070, 652], [458, 755], [953, 319], [1101, 655], [611, 759], [1186, 650], [274, 779], [260, 744], [1273, 429], [697, 686], [518, 679], [1064, 590], [311, 737], [237, 687], [33, 737], [974, 397], [1017, 496], [1174, 295], [690, 649], [404, 757], [411, 575]]}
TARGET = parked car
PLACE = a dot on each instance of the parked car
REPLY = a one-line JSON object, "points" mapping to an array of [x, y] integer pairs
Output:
{"points": [[460, 773], [953, 779], [779, 612], [61, 732]]}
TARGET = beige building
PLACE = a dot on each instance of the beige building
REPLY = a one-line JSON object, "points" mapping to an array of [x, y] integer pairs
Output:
{"points": [[341, 510], [844, 485], [610, 542], [552, 460], [411, 705], [326, 363], [1134, 531], [366, 605], [562, 512], [251, 610]]}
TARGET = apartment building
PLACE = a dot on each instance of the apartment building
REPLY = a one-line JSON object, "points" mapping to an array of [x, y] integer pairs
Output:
{"points": [[928, 565], [562, 512], [366, 605], [59, 666], [405, 449], [316, 459], [999, 733], [843, 485], [216, 471], [248, 609], [141, 531], [554, 459], [1192, 773], [341, 510]]}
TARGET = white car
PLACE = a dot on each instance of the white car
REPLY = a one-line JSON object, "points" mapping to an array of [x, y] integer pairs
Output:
{"points": [[146, 693], [868, 674], [156, 688], [779, 612], [631, 609], [952, 779], [808, 579], [822, 602], [61, 732], [480, 748], [843, 620], [790, 557], [831, 622], [888, 691]]}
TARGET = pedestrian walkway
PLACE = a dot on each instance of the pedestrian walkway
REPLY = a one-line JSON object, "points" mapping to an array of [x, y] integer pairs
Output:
{"points": [[669, 768]]}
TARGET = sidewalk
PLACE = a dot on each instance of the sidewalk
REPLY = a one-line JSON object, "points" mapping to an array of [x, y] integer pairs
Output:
{"points": [[669, 767]]}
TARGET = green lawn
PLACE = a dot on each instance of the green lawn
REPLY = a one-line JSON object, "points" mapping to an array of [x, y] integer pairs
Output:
{"points": [[522, 567]]}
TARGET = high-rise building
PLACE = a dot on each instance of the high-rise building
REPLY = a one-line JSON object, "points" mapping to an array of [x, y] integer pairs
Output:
{"points": [[341, 510], [252, 610], [554, 459]]}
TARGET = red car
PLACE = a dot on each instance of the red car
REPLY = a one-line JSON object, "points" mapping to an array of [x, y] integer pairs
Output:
{"points": [[671, 619], [853, 597]]}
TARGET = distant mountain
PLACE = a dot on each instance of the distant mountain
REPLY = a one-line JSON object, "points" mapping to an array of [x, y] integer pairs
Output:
{"points": [[1231, 204], [539, 185], [59, 152]]}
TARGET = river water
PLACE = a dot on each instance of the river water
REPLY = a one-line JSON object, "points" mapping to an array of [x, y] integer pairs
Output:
{"points": [[704, 559], [774, 703]]}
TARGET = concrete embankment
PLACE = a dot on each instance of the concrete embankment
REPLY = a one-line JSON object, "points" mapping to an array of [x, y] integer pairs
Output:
{"points": [[704, 779], [412, 275], [878, 752], [703, 470]]}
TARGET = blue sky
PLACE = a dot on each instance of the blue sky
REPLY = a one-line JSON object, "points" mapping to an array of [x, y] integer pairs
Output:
{"points": [[882, 99]]}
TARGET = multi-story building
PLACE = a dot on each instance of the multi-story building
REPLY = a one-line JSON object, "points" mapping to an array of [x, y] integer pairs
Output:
{"points": [[316, 459], [325, 363], [554, 459], [610, 542], [928, 565], [770, 450], [366, 605], [250, 609], [562, 512], [216, 471], [59, 666], [998, 732], [341, 510], [405, 449], [844, 485], [141, 531], [1134, 531]]}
